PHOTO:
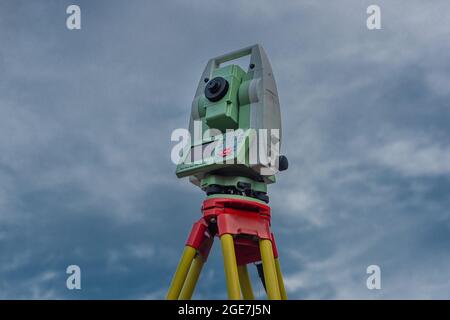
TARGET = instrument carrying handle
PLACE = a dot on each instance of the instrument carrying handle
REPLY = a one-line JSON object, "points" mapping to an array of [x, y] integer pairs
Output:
{"points": [[235, 55]]}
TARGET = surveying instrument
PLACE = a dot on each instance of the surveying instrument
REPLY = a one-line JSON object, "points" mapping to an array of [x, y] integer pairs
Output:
{"points": [[235, 129]]}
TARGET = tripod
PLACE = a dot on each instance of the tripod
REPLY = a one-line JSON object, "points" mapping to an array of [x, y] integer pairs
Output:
{"points": [[243, 226]]}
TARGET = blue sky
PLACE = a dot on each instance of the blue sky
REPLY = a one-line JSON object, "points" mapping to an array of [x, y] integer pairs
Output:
{"points": [[85, 124]]}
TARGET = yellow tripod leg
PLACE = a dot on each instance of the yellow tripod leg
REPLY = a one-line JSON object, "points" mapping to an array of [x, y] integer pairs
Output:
{"points": [[270, 273], [231, 273], [192, 277], [245, 283], [181, 273], [280, 280]]}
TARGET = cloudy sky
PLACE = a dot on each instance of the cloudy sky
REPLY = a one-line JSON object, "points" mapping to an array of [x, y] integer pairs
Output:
{"points": [[85, 124]]}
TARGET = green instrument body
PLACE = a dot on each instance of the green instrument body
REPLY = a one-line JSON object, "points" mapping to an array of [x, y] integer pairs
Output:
{"points": [[230, 109]]}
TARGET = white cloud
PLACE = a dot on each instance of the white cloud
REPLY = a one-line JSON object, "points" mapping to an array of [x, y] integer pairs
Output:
{"points": [[439, 82], [143, 251], [39, 286], [414, 156]]}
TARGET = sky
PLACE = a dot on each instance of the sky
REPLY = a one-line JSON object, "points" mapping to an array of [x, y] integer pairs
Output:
{"points": [[86, 118]]}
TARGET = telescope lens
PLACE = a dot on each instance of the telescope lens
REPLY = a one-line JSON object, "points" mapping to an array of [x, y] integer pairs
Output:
{"points": [[216, 89], [213, 86]]}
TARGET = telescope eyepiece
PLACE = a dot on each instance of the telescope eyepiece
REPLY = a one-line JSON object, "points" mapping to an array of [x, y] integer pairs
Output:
{"points": [[216, 89]]}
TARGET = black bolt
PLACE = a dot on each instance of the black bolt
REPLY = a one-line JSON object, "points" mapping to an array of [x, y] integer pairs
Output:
{"points": [[283, 163]]}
